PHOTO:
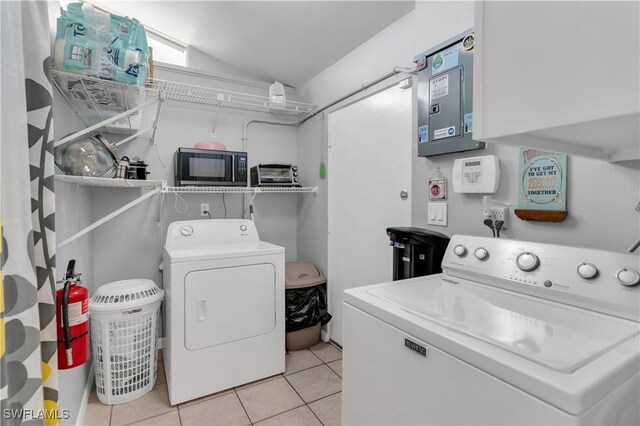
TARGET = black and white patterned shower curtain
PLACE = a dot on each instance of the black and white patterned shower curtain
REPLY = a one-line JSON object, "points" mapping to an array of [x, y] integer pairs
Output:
{"points": [[28, 357]]}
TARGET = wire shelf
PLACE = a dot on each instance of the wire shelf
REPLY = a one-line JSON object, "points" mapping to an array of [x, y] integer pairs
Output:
{"points": [[133, 183], [227, 99], [110, 182], [96, 100], [236, 190]]}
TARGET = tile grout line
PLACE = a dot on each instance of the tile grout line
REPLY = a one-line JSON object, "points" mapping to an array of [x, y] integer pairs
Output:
{"points": [[316, 366], [242, 405], [275, 377], [300, 371], [260, 381], [305, 402], [309, 368], [314, 414], [179, 416], [147, 418], [327, 396], [284, 412]]}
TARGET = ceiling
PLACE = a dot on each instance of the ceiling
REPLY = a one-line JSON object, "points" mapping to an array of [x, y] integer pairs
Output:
{"points": [[288, 41]]}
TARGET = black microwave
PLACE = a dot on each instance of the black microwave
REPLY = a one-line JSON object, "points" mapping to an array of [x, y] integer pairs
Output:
{"points": [[204, 167]]}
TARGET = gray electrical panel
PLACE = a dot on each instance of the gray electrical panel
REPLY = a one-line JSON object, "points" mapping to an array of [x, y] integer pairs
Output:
{"points": [[445, 98]]}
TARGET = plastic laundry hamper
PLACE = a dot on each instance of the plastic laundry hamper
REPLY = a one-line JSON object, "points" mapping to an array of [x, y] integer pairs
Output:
{"points": [[124, 338]]}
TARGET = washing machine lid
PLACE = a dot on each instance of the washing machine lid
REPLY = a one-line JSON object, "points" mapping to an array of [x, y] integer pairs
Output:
{"points": [[570, 357], [194, 251], [557, 336]]}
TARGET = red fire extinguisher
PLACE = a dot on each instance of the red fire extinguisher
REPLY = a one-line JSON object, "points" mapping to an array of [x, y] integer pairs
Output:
{"points": [[72, 306]]}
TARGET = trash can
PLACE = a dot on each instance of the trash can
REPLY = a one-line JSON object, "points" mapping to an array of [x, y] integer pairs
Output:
{"points": [[416, 252], [124, 339], [306, 304]]}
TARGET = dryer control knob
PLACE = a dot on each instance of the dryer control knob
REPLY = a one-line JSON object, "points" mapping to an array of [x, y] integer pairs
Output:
{"points": [[527, 261], [587, 270], [186, 230], [460, 250], [481, 253], [243, 228], [628, 277]]}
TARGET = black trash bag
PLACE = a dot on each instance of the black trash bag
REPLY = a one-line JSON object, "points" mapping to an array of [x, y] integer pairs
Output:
{"points": [[305, 308]]}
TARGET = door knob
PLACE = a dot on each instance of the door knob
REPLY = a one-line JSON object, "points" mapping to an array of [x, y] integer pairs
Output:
{"points": [[404, 194]]}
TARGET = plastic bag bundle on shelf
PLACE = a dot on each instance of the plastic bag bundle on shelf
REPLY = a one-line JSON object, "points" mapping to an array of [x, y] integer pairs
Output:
{"points": [[103, 45]]}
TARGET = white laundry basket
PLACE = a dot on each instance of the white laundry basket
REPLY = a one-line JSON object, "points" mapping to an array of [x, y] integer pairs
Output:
{"points": [[124, 338]]}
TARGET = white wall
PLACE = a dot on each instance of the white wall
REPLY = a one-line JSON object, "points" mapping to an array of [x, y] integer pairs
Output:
{"points": [[601, 200], [197, 59], [130, 245], [73, 212], [378, 56], [595, 188], [599, 216]]}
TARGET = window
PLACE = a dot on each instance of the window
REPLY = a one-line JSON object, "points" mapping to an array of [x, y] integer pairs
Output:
{"points": [[166, 50]]}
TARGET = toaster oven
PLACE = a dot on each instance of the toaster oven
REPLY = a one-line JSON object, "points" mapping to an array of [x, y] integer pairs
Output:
{"points": [[274, 175]]}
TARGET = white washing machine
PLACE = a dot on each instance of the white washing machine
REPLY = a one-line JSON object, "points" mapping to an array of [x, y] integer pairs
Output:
{"points": [[511, 333], [224, 317]]}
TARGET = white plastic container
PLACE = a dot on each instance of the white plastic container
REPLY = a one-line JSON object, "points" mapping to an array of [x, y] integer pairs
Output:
{"points": [[124, 338], [277, 97]]}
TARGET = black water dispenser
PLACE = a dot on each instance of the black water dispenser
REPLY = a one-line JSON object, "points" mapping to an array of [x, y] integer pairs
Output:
{"points": [[416, 252]]}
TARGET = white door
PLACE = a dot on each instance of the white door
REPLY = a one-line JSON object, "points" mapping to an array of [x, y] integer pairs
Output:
{"points": [[369, 165]]}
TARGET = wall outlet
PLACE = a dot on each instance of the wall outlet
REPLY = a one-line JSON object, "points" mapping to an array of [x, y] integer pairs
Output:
{"points": [[204, 208], [497, 213]]}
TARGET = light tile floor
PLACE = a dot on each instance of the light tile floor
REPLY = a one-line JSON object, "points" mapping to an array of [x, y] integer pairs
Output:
{"points": [[307, 393]]}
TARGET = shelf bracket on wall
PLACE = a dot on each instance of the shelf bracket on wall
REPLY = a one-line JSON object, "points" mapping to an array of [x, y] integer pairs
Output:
{"points": [[109, 105], [110, 120], [110, 216]]}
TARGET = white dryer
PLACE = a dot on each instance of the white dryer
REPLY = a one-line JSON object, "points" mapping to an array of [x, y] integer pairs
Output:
{"points": [[224, 316]]}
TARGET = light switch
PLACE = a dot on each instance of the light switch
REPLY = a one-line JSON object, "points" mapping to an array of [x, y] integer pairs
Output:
{"points": [[437, 214]]}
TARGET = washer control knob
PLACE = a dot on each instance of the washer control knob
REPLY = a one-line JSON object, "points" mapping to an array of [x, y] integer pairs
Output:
{"points": [[460, 250], [186, 230], [628, 277], [527, 261], [243, 228], [587, 270], [481, 253]]}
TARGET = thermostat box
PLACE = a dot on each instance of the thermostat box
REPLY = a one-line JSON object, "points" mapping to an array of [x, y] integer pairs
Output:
{"points": [[445, 98]]}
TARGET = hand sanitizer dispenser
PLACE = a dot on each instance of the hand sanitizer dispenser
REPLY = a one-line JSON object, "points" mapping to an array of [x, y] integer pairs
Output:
{"points": [[277, 97]]}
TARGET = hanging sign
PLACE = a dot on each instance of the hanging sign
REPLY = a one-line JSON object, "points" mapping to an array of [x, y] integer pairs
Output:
{"points": [[437, 188], [543, 183]]}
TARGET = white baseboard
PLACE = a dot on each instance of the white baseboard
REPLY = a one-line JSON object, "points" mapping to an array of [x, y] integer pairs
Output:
{"points": [[85, 397], [161, 343]]}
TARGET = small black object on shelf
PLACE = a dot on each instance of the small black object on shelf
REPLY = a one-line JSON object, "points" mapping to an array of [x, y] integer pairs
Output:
{"points": [[416, 251], [137, 170]]}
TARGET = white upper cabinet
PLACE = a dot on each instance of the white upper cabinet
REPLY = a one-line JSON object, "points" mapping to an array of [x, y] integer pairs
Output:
{"points": [[561, 76]]}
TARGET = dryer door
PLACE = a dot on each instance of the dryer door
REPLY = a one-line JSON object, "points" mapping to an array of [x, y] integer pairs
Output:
{"points": [[229, 304]]}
